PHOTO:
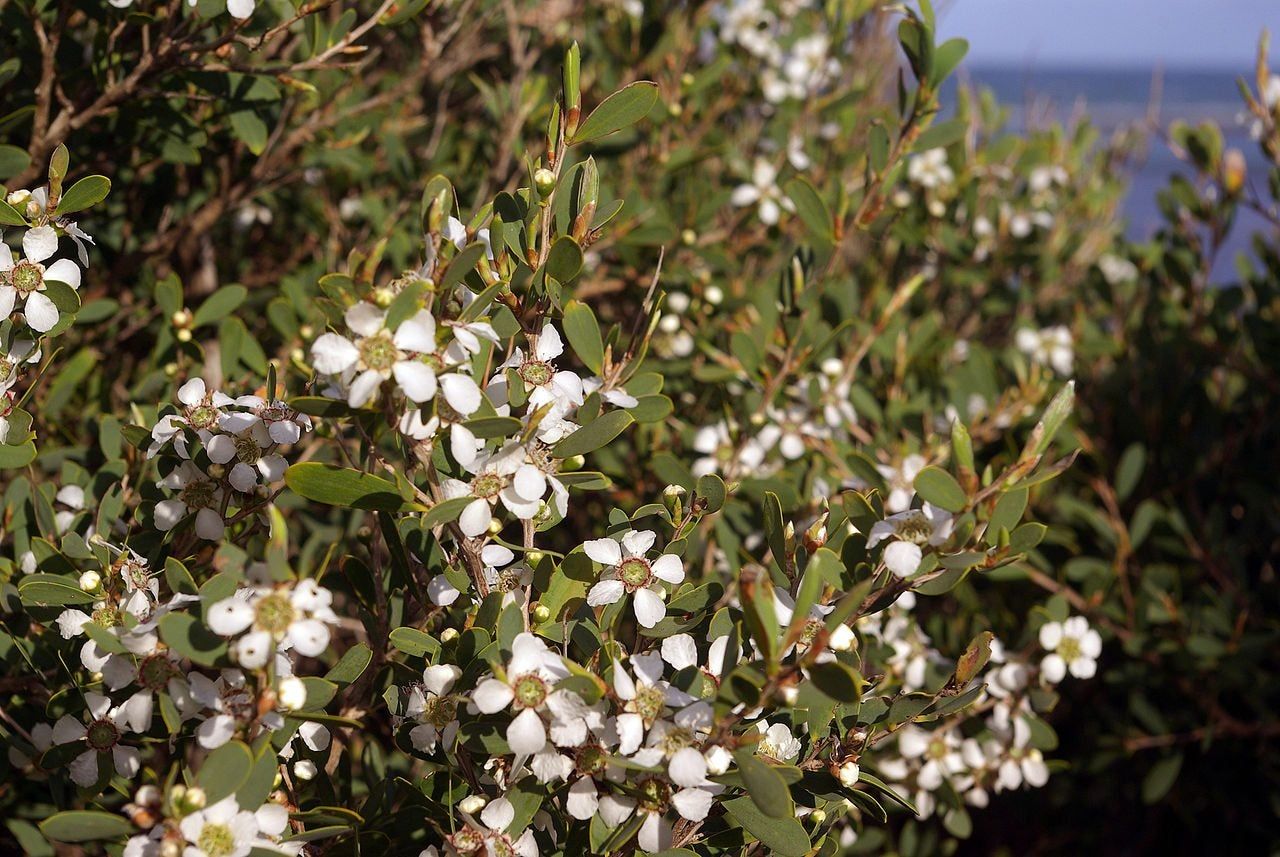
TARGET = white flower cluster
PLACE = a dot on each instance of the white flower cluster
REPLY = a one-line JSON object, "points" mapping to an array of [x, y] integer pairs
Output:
{"points": [[223, 455], [793, 65]]}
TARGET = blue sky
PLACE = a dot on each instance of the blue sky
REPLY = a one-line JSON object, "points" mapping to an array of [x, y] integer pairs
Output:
{"points": [[1174, 33]]}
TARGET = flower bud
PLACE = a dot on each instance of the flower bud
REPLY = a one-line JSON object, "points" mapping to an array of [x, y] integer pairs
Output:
{"points": [[305, 769], [544, 181], [718, 760], [448, 635], [19, 198], [790, 695], [187, 800], [849, 773], [534, 557], [170, 848], [182, 319], [90, 581], [306, 331], [842, 639], [383, 296], [217, 471], [471, 804], [713, 295], [541, 614], [671, 500], [183, 335], [495, 527], [292, 693], [816, 817]]}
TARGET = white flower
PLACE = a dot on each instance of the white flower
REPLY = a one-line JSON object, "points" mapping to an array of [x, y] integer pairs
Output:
{"points": [[1073, 646], [410, 354], [252, 461], [297, 618], [203, 412], [226, 830], [529, 689], [930, 169], [938, 751], [101, 732], [763, 191], [901, 481], [927, 525], [778, 742], [499, 476], [25, 280], [628, 572], [431, 704], [20, 353], [546, 385], [648, 699], [1051, 346], [196, 493]]}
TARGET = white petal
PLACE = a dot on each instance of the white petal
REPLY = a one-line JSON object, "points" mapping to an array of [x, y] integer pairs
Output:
{"points": [[365, 319], [530, 482], [491, 696], [309, 637], [605, 592], [638, 542], [253, 650], [475, 518], [240, 8], [582, 799], [461, 392], [216, 731], [902, 558], [526, 734], [416, 379], [1053, 668], [333, 354], [650, 609], [669, 568], [550, 345], [209, 525], [64, 271], [604, 551], [680, 651], [498, 814], [230, 616], [687, 768], [40, 243], [221, 448], [417, 334], [41, 314], [364, 388], [1050, 635], [693, 804]]}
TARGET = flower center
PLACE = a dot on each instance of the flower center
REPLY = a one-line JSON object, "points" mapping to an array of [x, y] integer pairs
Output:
{"points": [[530, 690], [107, 617], [134, 572], [1069, 649], [27, 277], [216, 840], [536, 373], [198, 494], [487, 485], [634, 573], [102, 735], [155, 671], [676, 740], [914, 528], [937, 750], [467, 841], [379, 352], [202, 415], [440, 711], [590, 759], [508, 580], [649, 702], [275, 613], [6, 368], [655, 795], [810, 631], [247, 449]]}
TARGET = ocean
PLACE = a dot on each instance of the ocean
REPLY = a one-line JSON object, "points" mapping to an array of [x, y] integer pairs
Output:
{"points": [[1118, 97]]}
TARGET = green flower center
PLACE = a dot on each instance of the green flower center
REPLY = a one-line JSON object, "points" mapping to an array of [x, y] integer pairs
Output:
{"points": [[198, 494], [487, 485], [655, 795], [634, 573], [202, 416], [649, 702], [440, 711], [216, 840], [810, 631], [1069, 649], [937, 749], [247, 449], [536, 373], [107, 617], [530, 690], [27, 277], [915, 527], [136, 573], [676, 740], [379, 352], [102, 735], [155, 671], [275, 613], [6, 368], [590, 759]]}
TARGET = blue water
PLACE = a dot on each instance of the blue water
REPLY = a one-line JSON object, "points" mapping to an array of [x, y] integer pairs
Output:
{"points": [[1115, 98]]}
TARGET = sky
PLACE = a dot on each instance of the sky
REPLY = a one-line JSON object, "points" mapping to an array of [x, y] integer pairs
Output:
{"points": [[1174, 33]]}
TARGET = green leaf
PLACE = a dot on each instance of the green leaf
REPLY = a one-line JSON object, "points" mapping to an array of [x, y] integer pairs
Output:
{"points": [[12, 161], [1160, 779], [352, 665], [10, 216], [783, 836], [1129, 470], [1054, 416], [52, 590], [837, 681], [583, 333], [812, 210], [249, 128], [712, 490], [414, 642], [1007, 512], [593, 435], [461, 265], [85, 825], [341, 486], [13, 456], [765, 785], [190, 638], [975, 657], [487, 427], [225, 770], [625, 107], [942, 134], [445, 512], [87, 192], [219, 305], [940, 488], [564, 260]]}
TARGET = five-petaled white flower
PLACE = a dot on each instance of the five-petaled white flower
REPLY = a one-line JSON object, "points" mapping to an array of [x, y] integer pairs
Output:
{"points": [[1073, 647], [627, 571], [25, 280], [528, 688]]}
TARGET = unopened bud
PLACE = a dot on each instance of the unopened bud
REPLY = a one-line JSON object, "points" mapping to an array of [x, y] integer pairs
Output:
{"points": [[842, 639], [19, 198], [292, 693], [383, 296], [448, 635], [541, 613], [217, 471], [184, 335], [305, 769], [534, 557], [790, 695], [713, 295], [90, 581], [816, 817], [471, 804], [189, 800], [849, 774], [182, 318], [495, 527], [544, 181], [689, 237], [718, 760]]}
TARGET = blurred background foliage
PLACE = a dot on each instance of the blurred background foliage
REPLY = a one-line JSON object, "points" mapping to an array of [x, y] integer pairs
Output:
{"points": [[267, 154]]}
